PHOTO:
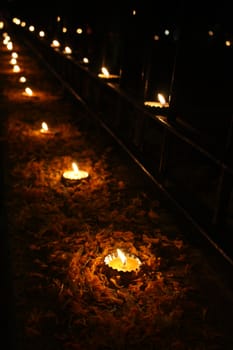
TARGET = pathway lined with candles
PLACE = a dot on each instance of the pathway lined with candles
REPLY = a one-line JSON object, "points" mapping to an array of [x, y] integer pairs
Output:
{"points": [[63, 236]]}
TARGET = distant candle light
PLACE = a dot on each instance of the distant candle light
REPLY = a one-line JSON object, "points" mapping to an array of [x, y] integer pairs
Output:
{"points": [[13, 61], [22, 79], [67, 50], [16, 68], [10, 46], [31, 28], [28, 91], [41, 34], [55, 43], [106, 75], [14, 55]]}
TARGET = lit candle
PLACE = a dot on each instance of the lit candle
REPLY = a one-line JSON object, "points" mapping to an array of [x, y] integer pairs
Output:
{"points": [[22, 79], [67, 50], [28, 91], [158, 104], [16, 68], [122, 262], [75, 174], [106, 75], [45, 129]]}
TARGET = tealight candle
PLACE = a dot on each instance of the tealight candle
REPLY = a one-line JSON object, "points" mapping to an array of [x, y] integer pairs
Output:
{"points": [[22, 79], [16, 68], [122, 262], [106, 75], [45, 129], [72, 176], [28, 91], [157, 104]]}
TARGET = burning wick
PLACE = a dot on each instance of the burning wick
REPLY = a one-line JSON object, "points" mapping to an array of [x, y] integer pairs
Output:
{"points": [[45, 129], [161, 99], [105, 72], [75, 174], [106, 75], [161, 103], [122, 262], [22, 79], [16, 68], [28, 91]]}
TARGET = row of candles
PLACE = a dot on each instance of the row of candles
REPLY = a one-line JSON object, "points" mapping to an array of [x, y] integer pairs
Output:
{"points": [[105, 73], [120, 262]]}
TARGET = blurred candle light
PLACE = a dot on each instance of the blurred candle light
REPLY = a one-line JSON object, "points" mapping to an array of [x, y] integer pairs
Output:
{"points": [[9, 45], [85, 60], [46, 130], [67, 50], [31, 28], [13, 61], [16, 68], [41, 34], [14, 55], [55, 43], [28, 91], [79, 30], [22, 79], [106, 75]]}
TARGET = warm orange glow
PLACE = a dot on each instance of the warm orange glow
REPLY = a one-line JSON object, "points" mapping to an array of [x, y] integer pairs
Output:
{"points": [[13, 61], [79, 30], [31, 28], [55, 43], [14, 55], [16, 68], [10, 45], [161, 99], [67, 50], [41, 34], [28, 91], [44, 127], [104, 71], [22, 79]]}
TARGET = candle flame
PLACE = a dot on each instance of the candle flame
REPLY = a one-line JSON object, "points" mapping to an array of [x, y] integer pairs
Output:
{"points": [[16, 68], [44, 126], [75, 168], [161, 99], [122, 256], [105, 71], [28, 91]]}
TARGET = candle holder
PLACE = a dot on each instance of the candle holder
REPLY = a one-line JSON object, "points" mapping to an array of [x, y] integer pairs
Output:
{"points": [[46, 131], [72, 177], [123, 267], [105, 75], [157, 107]]}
